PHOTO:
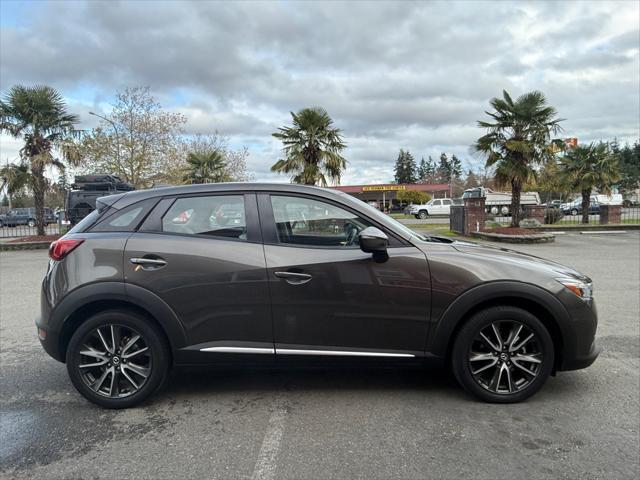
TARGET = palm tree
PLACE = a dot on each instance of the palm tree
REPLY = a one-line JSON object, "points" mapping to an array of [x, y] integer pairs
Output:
{"points": [[39, 115], [205, 167], [589, 167], [14, 178], [312, 148], [518, 138]]}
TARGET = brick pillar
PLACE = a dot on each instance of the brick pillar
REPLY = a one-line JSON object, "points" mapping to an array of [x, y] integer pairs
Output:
{"points": [[535, 211], [473, 214], [610, 214]]}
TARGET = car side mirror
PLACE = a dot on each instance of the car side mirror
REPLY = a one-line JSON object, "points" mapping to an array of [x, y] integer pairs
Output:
{"points": [[373, 240]]}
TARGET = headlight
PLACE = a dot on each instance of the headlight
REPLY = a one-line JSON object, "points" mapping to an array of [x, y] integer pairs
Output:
{"points": [[581, 289]]}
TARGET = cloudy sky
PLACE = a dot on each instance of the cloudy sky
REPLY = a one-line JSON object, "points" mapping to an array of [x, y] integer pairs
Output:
{"points": [[414, 75]]}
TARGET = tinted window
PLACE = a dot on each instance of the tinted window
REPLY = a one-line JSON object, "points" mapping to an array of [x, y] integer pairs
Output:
{"points": [[437, 202], [125, 220], [446, 202], [85, 222], [215, 215], [303, 221]]}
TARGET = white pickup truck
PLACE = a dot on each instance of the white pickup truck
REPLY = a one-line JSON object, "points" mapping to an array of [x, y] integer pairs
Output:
{"points": [[500, 202], [436, 206]]}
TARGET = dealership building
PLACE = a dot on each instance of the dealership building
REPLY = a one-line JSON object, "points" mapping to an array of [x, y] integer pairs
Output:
{"points": [[386, 194]]}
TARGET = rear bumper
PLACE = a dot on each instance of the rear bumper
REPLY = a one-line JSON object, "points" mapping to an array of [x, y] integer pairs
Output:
{"points": [[51, 340]]}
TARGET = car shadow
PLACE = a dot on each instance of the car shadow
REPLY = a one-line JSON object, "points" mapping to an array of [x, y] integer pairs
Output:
{"points": [[225, 379]]}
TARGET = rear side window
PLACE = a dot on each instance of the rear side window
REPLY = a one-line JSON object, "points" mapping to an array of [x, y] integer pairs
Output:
{"points": [[127, 219], [85, 222], [220, 216]]}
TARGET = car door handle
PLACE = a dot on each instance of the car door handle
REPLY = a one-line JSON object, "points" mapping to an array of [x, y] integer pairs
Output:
{"points": [[148, 263], [294, 278]]}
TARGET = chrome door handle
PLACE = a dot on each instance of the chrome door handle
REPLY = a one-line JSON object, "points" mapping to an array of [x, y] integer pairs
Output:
{"points": [[147, 263], [294, 278]]}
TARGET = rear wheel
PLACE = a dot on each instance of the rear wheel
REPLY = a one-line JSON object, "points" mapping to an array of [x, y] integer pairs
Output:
{"points": [[503, 354], [116, 359]]}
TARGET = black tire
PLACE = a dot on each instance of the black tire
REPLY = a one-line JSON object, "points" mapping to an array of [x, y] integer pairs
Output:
{"points": [[31, 223], [503, 316], [574, 212], [158, 357], [423, 214]]}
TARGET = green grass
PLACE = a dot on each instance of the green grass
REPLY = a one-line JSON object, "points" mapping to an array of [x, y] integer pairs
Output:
{"points": [[399, 215]]}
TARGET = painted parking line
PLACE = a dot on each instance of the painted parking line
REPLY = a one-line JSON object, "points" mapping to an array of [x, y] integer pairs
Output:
{"points": [[603, 231]]}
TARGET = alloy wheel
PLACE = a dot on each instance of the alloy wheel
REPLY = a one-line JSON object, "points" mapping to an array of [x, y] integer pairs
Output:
{"points": [[505, 357], [114, 361]]}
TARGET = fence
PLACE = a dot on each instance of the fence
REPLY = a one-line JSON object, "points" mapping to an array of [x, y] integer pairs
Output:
{"points": [[25, 230], [555, 216]]}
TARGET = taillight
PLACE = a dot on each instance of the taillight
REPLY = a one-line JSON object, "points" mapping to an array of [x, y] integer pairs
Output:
{"points": [[61, 248]]}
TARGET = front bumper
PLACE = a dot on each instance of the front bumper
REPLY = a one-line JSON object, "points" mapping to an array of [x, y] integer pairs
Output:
{"points": [[582, 361]]}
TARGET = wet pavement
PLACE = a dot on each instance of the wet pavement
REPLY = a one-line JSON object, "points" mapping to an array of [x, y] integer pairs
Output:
{"points": [[330, 423]]}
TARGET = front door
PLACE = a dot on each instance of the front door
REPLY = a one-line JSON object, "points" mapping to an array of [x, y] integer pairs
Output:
{"points": [[331, 298], [202, 255]]}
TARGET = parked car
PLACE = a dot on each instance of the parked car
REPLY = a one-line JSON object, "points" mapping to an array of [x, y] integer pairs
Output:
{"points": [[308, 274], [25, 216], [435, 206], [575, 207], [553, 204]]}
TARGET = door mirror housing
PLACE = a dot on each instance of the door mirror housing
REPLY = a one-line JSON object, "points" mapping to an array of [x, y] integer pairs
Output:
{"points": [[373, 240]]}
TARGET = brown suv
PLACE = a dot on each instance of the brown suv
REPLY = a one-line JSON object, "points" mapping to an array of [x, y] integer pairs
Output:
{"points": [[285, 274]]}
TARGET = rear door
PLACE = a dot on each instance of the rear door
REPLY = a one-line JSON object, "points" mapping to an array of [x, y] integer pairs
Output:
{"points": [[203, 256], [446, 206]]}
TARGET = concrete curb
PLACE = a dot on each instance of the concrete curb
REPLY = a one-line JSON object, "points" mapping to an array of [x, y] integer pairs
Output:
{"points": [[579, 227], [7, 247], [499, 237]]}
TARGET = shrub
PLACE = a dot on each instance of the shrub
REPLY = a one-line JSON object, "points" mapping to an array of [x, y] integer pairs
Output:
{"points": [[412, 196], [552, 215]]}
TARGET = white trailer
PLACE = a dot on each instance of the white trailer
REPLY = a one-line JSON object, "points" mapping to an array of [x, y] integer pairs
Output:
{"points": [[500, 202]]}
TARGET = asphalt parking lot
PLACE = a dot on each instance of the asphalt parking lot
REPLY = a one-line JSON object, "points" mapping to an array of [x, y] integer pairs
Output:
{"points": [[328, 423]]}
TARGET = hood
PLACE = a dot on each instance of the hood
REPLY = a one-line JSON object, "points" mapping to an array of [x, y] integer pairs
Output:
{"points": [[518, 259]]}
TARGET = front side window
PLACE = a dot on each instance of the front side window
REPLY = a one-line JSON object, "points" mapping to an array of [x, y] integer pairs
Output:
{"points": [[437, 203], [214, 215], [303, 221]]}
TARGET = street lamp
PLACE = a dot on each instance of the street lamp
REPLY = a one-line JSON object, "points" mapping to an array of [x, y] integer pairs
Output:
{"points": [[115, 129]]}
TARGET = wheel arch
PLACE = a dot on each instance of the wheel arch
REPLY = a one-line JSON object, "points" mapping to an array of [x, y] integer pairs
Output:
{"points": [[95, 298], [529, 297]]}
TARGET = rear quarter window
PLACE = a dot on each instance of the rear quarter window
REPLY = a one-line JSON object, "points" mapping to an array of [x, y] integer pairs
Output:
{"points": [[125, 220]]}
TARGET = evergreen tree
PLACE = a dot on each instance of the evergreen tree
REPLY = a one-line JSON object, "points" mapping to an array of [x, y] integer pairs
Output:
{"points": [[456, 167], [422, 171], [471, 181], [430, 176], [405, 168], [443, 171]]}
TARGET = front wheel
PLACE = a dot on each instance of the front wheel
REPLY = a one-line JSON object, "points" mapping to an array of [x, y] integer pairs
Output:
{"points": [[116, 359], [503, 354], [31, 222], [574, 212], [423, 214]]}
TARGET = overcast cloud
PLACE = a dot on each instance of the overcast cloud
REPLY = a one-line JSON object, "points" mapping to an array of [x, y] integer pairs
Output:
{"points": [[392, 75]]}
